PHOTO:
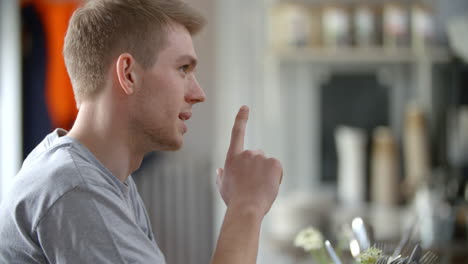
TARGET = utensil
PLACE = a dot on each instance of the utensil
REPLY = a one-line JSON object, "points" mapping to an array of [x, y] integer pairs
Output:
{"points": [[428, 258], [382, 260], [354, 248], [361, 234], [394, 260], [380, 245], [400, 261], [415, 255], [404, 239], [332, 253]]}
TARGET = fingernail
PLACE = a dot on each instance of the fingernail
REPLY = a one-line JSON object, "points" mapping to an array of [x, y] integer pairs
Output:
{"points": [[218, 171]]}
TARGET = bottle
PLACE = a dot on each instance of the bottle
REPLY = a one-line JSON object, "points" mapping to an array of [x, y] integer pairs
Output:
{"points": [[384, 168], [351, 151], [416, 150]]}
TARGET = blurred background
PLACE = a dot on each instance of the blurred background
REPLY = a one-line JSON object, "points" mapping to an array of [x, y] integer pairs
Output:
{"points": [[365, 102]]}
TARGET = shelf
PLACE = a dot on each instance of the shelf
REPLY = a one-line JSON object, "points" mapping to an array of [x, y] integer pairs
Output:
{"points": [[361, 55], [342, 1]]}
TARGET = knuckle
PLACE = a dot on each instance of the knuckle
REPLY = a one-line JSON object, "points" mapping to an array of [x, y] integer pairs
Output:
{"points": [[255, 152], [229, 159], [249, 153], [275, 163]]}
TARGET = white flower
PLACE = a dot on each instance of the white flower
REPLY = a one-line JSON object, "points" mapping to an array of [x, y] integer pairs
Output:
{"points": [[370, 256], [309, 239]]}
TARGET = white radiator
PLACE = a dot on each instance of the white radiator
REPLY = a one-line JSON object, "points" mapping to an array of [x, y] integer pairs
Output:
{"points": [[177, 193]]}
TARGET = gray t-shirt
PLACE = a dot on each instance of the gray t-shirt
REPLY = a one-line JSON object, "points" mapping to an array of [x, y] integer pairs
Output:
{"points": [[66, 207]]}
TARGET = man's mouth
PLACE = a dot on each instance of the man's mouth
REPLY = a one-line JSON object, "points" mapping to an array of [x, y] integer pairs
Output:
{"points": [[185, 116]]}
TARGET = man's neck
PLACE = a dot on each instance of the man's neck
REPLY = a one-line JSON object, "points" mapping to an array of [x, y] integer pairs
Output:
{"points": [[105, 134]]}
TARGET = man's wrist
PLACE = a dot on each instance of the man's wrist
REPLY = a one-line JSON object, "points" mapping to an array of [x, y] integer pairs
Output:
{"points": [[247, 210]]}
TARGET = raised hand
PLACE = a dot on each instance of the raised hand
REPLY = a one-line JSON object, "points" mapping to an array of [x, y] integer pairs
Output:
{"points": [[249, 179]]}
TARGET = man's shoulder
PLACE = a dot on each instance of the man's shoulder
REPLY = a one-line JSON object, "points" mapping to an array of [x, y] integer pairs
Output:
{"points": [[57, 165], [45, 177], [53, 170], [40, 182]]}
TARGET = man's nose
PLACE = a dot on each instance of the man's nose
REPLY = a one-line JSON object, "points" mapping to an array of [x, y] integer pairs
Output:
{"points": [[195, 94]]}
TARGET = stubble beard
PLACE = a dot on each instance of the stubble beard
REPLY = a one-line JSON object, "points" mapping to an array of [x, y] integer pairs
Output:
{"points": [[154, 139], [162, 139]]}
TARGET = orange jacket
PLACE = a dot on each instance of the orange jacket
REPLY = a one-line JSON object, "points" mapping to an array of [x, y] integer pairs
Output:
{"points": [[59, 94]]}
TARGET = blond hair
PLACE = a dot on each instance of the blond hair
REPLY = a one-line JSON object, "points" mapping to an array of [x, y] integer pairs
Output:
{"points": [[101, 30]]}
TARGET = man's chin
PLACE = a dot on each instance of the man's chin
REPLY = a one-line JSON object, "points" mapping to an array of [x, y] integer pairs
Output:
{"points": [[173, 146], [166, 143]]}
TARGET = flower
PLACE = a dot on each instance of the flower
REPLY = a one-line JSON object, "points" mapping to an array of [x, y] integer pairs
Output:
{"points": [[370, 256], [309, 239]]}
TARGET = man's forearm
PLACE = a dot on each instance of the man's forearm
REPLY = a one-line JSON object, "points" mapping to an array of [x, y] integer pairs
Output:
{"points": [[239, 236], [248, 184]]}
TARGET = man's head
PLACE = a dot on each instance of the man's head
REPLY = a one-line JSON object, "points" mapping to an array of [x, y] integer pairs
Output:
{"points": [[159, 100], [101, 30]]}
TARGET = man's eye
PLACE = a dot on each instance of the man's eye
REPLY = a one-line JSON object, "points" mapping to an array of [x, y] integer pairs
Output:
{"points": [[184, 69]]}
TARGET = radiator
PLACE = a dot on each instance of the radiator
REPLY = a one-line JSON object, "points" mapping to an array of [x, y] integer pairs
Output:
{"points": [[177, 192]]}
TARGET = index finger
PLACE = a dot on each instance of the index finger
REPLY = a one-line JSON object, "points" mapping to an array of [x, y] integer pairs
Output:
{"points": [[238, 131]]}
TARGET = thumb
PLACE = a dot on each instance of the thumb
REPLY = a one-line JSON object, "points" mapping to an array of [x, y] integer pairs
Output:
{"points": [[219, 176], [220, 172]]}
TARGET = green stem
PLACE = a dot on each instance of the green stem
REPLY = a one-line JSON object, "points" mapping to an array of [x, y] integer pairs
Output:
{"points": [[320, 256]]}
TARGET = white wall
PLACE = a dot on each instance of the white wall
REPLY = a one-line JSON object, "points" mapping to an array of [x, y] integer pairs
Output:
{"points": [[199, 139], [10, 93], [238, 77]]}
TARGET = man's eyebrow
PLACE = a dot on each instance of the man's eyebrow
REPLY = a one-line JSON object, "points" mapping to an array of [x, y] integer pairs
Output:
{"points": [[192, 60]]}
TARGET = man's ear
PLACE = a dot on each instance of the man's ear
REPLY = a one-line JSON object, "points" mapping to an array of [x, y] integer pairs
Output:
{"points": [[126, 73]]}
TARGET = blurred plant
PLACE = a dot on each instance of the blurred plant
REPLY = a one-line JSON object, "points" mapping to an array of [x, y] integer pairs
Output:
{"points": [[311, 240], [370, 256], [344, 236]]}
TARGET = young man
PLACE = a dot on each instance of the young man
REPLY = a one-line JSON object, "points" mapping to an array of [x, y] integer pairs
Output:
{"points": [[131, 63]]}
